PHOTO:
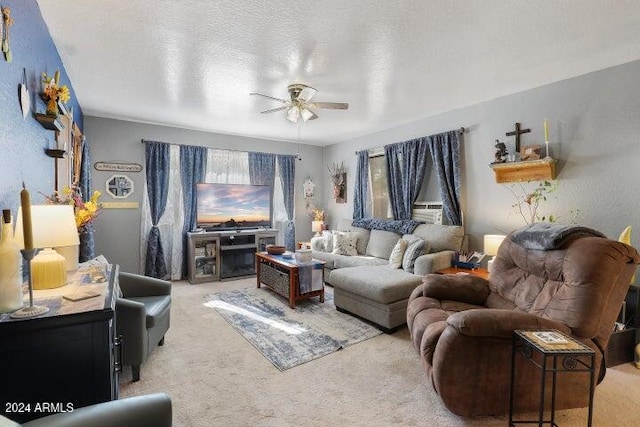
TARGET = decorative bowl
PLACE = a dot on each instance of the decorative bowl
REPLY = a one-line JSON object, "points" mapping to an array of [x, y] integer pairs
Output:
{"points": [[276, 250]]}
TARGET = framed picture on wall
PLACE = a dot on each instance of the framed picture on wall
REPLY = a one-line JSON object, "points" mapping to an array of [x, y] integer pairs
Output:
{"points": [[119, 186], [531, 152]]}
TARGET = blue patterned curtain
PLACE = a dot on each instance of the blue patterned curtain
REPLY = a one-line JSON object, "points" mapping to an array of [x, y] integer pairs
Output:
{"points": [[445, 151], [193, 164], [361, 190], [262, 167], [287, 171], [157, 165], [87, 248], [406, 169]]}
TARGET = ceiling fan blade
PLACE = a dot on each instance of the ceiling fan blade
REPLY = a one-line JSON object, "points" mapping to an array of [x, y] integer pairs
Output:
{"points": [[307, 93], [330, 105], [307, 114], [273, 110], [269, 97]]}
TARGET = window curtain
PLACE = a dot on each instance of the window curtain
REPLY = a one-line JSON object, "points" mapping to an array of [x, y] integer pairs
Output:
{"points": [[287, 172], [262, 168], [192, 171], [406, 169], [445, 152], [157, 168], [87, 248], [171, 222], [360, 193]]}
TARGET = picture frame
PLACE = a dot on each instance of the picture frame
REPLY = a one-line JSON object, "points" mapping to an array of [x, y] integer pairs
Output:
{"points": [[119, 186], [531, 152]]}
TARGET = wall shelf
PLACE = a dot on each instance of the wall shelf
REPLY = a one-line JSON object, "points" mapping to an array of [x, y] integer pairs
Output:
{"points": [[532, 170], [49, 122], [58, 154]]}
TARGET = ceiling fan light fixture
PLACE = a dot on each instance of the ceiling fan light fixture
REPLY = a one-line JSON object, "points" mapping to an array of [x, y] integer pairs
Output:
{"points": [[293, 114], [306, 93]]}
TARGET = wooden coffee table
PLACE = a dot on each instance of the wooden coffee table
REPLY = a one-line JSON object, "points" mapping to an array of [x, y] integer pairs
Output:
{"points": [[282, 276]]}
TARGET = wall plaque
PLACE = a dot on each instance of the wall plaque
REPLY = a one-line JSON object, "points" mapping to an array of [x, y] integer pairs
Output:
{"points": [[117, 166]]}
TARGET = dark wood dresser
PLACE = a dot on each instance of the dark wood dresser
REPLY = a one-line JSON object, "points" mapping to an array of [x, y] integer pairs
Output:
{"points": [[65, 359]]}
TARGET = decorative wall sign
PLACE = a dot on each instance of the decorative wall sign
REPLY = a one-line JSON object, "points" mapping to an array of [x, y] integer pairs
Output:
{"points": [[118, 166], [119, 186]]}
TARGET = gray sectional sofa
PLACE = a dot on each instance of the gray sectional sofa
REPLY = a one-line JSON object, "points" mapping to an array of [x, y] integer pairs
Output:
{"points": [[364, 285]]}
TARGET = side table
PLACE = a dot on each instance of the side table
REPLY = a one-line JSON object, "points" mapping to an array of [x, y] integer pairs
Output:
{"points": [[480, 272], [568, 356]]}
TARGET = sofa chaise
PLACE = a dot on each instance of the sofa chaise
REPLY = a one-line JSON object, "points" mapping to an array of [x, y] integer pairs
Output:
{"points": [[364, 284]]}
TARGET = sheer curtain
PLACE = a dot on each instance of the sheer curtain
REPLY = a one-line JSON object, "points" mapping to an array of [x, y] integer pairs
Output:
{"points": [[227, 167]]}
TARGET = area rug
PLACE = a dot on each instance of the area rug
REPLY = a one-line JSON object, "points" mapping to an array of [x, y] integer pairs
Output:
{"points": [[285, 336]]}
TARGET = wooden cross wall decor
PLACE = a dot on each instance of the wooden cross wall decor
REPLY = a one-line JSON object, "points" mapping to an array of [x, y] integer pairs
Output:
{"points": [[517, 134]]}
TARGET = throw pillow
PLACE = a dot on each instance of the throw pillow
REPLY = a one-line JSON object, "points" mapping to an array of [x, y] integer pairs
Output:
{"points": [[327, 235], [344, 244], [415, 247], [395, 259]]}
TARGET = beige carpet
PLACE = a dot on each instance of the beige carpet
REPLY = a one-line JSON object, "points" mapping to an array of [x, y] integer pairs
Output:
{"points": [[216, 378]]}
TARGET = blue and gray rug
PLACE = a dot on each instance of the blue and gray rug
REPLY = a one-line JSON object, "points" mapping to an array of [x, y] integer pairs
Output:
{"points": [[285, 336]]}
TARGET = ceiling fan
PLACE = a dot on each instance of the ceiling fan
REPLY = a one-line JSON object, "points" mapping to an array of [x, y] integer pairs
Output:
{"points": [[300, 105]]}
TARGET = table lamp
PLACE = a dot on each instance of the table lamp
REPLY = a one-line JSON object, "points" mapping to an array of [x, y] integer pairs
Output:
{"points": [[54, 230], [317, 226], [491, 244]]}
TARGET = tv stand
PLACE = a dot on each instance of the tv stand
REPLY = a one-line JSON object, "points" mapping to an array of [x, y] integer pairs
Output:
{"points": [[225, 254]]}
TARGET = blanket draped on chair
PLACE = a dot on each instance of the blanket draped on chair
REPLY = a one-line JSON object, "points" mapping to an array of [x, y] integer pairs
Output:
{"points": [[398, 226], [544, 236]]}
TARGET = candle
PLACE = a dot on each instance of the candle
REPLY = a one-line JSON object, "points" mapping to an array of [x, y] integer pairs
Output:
{"points": [[27, 231], [546, 131]]}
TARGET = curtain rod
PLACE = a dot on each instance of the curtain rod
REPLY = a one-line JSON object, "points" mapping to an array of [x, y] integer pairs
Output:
{"points": [[461, 130], [142, 141]]}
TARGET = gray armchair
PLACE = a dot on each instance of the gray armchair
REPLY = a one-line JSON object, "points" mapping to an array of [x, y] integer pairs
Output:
{"points": [[142, 317], [152, 410]]}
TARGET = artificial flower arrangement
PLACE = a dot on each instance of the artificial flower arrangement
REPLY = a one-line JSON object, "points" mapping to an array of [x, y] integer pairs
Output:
{"points": [[53, 92], [318, 214], [85, 212]]}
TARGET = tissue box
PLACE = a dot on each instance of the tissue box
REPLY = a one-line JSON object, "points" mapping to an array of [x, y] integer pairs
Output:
{"points": [[303, 255]]}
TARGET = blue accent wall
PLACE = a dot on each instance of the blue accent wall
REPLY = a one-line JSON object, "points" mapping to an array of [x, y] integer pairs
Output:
{"points": [[23, 141]]}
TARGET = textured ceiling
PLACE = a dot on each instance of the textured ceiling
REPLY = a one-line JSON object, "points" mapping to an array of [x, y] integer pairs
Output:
{"points": [[192, 64]]}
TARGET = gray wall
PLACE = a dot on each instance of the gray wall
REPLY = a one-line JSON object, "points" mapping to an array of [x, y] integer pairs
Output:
{"points": [[118, 230], [594, 126]]}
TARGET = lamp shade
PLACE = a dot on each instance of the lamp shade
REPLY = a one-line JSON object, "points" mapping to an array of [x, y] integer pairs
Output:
{"points": [[316, 226], [54, 226], [492, 242]]}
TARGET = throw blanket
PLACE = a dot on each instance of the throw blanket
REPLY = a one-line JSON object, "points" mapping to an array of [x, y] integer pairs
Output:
{"points": [[399, 226], [545, 236]]}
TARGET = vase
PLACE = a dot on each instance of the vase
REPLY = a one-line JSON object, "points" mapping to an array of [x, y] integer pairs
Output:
{"points": [[87, 243], [52, 108]]}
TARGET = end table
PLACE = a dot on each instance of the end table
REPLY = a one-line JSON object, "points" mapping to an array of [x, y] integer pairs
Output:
{"points": [[573, 356]]}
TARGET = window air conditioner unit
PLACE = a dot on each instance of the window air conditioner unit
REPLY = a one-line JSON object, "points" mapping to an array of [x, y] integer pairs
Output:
{"points": [[429, 212]]}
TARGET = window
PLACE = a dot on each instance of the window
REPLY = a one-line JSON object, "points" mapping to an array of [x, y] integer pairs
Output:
{"points": [[379, 193]]}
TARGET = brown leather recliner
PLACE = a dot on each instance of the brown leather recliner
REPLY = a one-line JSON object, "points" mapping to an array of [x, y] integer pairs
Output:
{"points": [[462, 325]]}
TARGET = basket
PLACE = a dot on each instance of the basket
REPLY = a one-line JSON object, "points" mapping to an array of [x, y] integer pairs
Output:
{"points": [[276, 250]]}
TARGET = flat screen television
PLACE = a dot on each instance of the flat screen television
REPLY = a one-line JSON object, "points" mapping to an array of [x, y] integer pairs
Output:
{"points": [[232, 206]]}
